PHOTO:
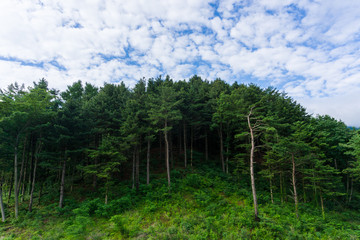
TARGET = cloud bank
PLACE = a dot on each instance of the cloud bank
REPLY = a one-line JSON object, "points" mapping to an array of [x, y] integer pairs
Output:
{"points": [[310, 49]]}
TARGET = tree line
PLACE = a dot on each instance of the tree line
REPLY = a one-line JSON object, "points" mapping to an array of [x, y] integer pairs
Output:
{"points": [[97, 137]]}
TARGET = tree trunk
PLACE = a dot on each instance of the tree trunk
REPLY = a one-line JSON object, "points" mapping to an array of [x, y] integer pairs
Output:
{"points": [[271, 190], [62, 185], [133, 168], [24, 180], [30, 170], [16, 178], [160, 146], [98, 139], [191, 146], [206, 148], [38, 148], [221, 147], [294, 185], [33, 185], [227, 149], [148, 162], [351, 190], [171, 151], [1, 201], [315, 192], [22, 166], [180, 142], [10, 188], [227, 159], [185, 155], [137, 168], [167, 153], [94, 184], [281, 189], [106, 193], [347, 187], [322, 206], [252, 167]]}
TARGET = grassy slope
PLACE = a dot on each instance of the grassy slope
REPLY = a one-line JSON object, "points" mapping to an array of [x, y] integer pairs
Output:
{"points": [[201, 205]]}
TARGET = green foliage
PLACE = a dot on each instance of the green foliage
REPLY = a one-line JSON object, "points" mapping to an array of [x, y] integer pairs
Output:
{"points": [[120, 225], [195, 212], [353, 149], [114, 207], [102, 134]]}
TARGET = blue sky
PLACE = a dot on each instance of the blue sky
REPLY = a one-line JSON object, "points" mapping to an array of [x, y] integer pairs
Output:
{"points": [[308, 48]]}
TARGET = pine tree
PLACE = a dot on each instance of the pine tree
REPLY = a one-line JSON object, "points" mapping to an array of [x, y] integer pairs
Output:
{"points": [[163, 113]]}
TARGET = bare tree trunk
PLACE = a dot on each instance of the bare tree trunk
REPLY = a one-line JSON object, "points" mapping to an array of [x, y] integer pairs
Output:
{"points": [[62, 185], [1, 201], [33, 186], [271, 191], [252, 167], [22, 166], [30, 170], [167, 153], [38, 148], [24, 179], [294, 185], [185, 155], [106, 193], [221, 148], [322, 206], [16, 178], [10, 188], [148, 162]]}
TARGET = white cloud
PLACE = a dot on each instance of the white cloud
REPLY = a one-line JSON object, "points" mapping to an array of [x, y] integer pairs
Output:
{"points": [[340, 106]]}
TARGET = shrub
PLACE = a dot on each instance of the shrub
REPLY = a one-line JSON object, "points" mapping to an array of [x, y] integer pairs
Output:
{"points": [[77, 228], [120, 225], [116, 206]]}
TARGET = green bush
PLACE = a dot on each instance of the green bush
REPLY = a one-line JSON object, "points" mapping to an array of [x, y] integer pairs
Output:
{"points": [[116, 206]]}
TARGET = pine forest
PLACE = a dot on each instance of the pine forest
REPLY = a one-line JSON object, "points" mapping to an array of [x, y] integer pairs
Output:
{"points": [[165, 159]]}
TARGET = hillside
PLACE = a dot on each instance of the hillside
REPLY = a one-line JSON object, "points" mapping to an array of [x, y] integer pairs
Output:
{"points": [[202, 204]]}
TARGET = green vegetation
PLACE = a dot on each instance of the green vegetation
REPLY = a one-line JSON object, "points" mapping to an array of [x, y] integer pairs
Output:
{"points": [[173, 160], [202, 204]]}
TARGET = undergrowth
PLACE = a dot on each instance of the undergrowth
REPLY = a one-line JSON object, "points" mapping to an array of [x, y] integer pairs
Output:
{"points": [[201, 204]]}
